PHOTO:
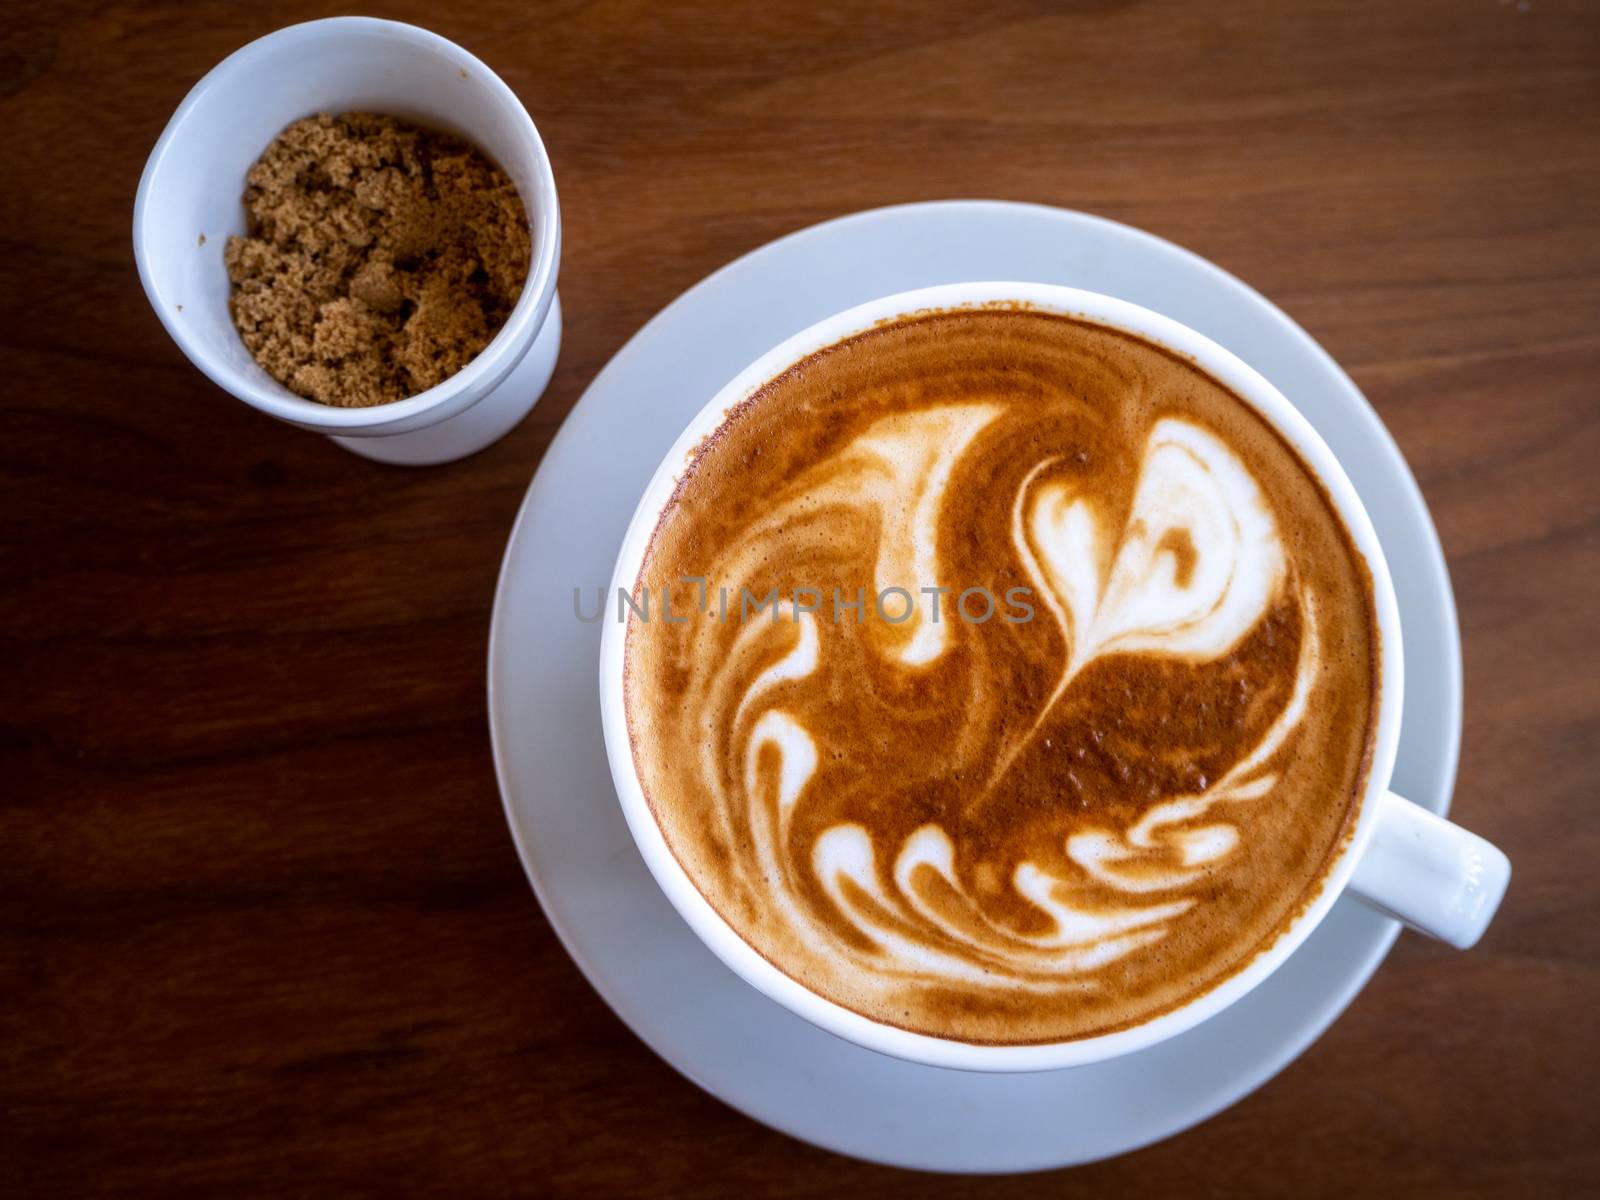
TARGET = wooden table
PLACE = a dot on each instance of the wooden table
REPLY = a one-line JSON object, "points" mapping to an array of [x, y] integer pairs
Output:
{"points": [[261, 925]]}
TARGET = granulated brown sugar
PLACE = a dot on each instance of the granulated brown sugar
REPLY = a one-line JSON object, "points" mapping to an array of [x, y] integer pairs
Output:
{"points": [[381, 258]]}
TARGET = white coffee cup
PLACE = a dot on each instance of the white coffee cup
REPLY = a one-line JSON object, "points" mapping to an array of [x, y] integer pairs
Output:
{"points": [[191, 199], [1401, 859]]}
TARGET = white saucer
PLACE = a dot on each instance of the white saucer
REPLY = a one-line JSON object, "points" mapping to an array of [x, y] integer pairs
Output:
{"points": [[544, 705]]}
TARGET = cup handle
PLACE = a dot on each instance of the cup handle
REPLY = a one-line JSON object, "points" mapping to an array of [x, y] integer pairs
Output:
{"points": [[1429, 873]]}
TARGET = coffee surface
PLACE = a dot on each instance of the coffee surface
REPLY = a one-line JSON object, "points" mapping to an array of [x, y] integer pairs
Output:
{"points": [[1059, 703]]}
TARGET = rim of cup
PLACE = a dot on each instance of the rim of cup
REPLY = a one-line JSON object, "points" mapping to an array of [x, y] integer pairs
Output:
{"points": [[740, 955], [490, 365]]}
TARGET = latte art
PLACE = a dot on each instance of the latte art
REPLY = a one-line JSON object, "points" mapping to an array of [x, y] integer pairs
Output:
{"points": [[1004, 829]]}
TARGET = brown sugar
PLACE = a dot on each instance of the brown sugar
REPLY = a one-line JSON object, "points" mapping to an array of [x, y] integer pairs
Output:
{"points": [[381, 258]]}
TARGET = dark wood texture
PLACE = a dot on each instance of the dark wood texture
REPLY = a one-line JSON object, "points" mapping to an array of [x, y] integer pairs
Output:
{"points": [[262, 928]]}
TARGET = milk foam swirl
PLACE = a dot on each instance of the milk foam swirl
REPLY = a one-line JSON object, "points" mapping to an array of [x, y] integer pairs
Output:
{"points": [[997, 816], [1194, 568]]}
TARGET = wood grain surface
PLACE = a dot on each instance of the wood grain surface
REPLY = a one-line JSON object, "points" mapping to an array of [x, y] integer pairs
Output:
{"points": [[262, 929]]}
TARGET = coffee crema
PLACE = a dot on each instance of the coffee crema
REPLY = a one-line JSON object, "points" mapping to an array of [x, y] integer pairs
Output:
{"points": [[1016, 828]]}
